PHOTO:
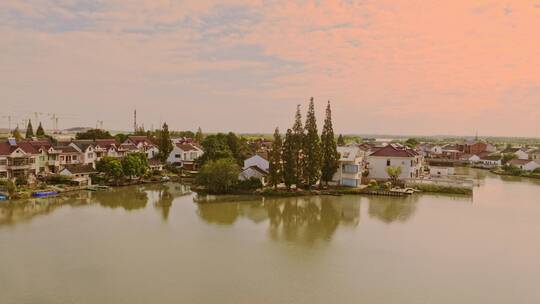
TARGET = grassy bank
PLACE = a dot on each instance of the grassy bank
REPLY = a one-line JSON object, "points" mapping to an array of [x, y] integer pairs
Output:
{"points": [[442, 189]]}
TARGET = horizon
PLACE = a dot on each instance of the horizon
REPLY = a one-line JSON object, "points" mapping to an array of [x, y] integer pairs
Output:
{"points": [[226, 67]]}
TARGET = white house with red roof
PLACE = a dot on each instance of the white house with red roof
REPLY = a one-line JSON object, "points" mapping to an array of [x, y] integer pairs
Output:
{"points": [[184, 155], [524, 164], [142, 144], [395, 155]]}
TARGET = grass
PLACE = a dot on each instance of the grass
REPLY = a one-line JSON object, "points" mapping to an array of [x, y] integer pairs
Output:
{"points": [[442, 189]]}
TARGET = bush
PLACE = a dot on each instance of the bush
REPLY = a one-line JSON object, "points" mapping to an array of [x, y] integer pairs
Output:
{"points": [[512, 170], [536, 171], [372, 184], [442, 189], [57, 179], [249, 184], [21, 181]]}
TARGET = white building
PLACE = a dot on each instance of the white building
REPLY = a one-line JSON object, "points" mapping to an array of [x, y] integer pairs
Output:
{"points": [[254, 172], [408, 159], [535, 155], [441, 169], [525, 164], [490, 161], [143, 144], [184, 155], [522, 154], [350, 166]]}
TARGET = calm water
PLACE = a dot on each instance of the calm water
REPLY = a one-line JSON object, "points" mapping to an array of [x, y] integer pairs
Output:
{"points": [[161, 244]]}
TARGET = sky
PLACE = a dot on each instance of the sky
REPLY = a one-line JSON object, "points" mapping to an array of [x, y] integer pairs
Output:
{"points": [[387, 66]]}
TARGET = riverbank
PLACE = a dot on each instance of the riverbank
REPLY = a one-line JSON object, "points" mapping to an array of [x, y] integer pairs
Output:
{"points": [[520, 174]]}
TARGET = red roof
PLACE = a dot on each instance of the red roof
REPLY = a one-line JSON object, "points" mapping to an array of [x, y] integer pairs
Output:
{"points": [[139, 139], [395, 151], [520, 162], [187, 147]]}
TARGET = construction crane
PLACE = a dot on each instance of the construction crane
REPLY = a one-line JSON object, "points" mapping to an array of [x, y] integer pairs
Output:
{"points": [[9, 118], [55, 118], [100, 124]]}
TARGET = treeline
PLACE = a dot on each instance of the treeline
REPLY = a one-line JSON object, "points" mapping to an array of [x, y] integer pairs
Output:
{"points": [[303, 158]]}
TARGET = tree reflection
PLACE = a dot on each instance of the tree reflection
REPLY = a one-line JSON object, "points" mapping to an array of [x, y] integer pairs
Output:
{"points": [[391, 209], [306, 219], [12, 213], [130, 200]]}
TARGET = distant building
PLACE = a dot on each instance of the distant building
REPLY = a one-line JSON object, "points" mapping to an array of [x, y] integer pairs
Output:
{"points": [[257, 160], [441, 168], [184, 155], [524, 164]]}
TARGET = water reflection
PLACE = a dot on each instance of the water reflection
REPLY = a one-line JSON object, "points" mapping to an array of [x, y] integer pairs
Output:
{"points": [[165, 195], [129, 199], [392, 209], [306, 219], [12, 213]]}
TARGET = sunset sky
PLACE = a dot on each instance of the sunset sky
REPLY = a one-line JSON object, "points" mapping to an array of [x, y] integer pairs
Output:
{"points": [[398, 67]]}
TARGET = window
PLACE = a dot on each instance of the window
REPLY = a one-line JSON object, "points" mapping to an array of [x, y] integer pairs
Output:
{"points": [[42, 158], [350, 169], [3, 162], [387, 162], [74, 157], [177, 156], [90, 155], [412, 164]]}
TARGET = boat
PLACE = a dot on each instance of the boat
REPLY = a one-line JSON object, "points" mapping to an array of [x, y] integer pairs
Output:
{"points": [[3, 197], [44, 193]]}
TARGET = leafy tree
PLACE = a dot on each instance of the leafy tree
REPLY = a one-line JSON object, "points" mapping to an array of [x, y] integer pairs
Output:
{"points": [[312, 148], [40, 132], [199, 136], [17, 134], [330, 155], [29, 130], [393, 172], [111, 167], [234, 146], [215, 147], [340, 140], [120, 137], [412, 142], [219, 176], [94, 134], [276, 170], [289, 159], [135, 164], [297, 142], [507, 157], [164, 144]]}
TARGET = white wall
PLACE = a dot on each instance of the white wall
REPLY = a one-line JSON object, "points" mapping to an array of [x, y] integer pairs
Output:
{"points": [[378, 164]]}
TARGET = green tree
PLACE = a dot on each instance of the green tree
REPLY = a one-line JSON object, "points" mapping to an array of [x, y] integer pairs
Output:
{"points": [[330, 155], [219, 176], [17, 134], [340, 140], [135, 164], [120, 137], [111, 167], [412, 142], [164, 143], [94, 134], [40, 132], [234, 145], [289, 159], [312, 148], [29, 130], [297, 145], [507, 157], [199, 136], [215, 147], [393, 173], [275, 160]]}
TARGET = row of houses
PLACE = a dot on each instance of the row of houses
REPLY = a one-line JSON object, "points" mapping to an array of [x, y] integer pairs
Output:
{"points": [[77, 158]]}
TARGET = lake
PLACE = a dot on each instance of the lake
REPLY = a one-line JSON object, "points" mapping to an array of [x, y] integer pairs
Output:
{"points": [[163, 244]]}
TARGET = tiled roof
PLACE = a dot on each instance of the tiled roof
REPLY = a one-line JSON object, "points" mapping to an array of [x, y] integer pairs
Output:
{"points": [[187, 147], [78, 169], [518, 162], [395, 151]]}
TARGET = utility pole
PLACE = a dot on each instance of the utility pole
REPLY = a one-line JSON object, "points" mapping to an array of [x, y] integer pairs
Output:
{"points": [[135, 121]]}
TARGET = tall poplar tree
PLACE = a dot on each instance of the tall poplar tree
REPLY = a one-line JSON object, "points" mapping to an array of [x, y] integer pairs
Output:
{"points": [[276, 171], [289, 159], [330, 155], [40, 132], [199, 136], [17, 134], [340, 140], [312, 148], [165, 145], [297, 142], [29, 130]]}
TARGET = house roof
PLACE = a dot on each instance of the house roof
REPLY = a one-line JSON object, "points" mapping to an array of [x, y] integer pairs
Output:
{"points": [[66, 149], [348, 153], [393, 150], [490, 157], [187, 147], [79, 169], [256, 168], [140, 139], [519, 162]]}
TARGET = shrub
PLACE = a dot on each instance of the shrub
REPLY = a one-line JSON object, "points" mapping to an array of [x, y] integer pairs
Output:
{"points": [[372, 183], [220, 176], [57, 179], [249, 184]]}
